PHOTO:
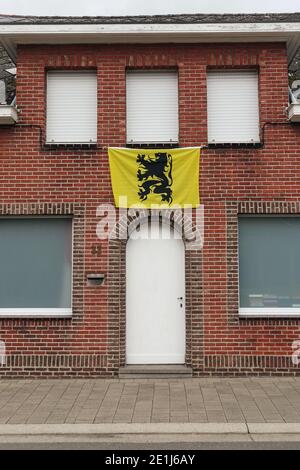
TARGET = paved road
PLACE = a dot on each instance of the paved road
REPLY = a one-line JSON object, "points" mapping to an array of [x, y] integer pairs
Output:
{"points": [[249, 445]]}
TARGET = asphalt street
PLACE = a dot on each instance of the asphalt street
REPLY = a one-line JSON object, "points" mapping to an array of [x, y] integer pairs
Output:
{"points": [[176, 446]]}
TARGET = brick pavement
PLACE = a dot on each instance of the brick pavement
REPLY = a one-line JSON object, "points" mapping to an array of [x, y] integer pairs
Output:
{"points": [[198, 400]]}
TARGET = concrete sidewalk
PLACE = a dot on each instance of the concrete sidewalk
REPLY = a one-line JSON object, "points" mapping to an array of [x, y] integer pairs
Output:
{"points": [[99, 401]]}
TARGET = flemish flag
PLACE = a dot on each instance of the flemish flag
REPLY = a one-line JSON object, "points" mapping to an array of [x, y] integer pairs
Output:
{"points": [[162, 178]]}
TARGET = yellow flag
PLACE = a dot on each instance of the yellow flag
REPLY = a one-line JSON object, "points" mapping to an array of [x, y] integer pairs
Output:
{"points": [[150, 178]]}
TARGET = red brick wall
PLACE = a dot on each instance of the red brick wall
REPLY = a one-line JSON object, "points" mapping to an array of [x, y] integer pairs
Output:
{"points": [[32, 173]]}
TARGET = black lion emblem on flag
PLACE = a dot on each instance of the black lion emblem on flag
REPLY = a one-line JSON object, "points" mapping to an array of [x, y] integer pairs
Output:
{"points": [[155, 175]]}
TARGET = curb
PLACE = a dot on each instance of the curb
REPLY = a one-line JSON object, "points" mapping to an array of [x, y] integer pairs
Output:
{"points": [[122, 428], [113, 429], [273, 428]]}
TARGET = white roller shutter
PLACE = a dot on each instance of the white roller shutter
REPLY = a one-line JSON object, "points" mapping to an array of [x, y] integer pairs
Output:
{"points": [[71, 107], [233, 107], [152, 107]]}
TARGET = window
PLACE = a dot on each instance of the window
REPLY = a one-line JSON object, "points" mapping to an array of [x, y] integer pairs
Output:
{"points": [[232, 107], [152, 107], [71, 107], [269, 265], [36, 266]]}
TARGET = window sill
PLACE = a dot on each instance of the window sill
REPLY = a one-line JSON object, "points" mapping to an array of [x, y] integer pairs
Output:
{"points": [[269, 312], [235, 145], [69, 145], [35, 312], [153, 145]]}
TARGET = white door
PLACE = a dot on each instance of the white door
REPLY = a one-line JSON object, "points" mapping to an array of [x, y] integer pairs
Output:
{"points": [[155, 287]]}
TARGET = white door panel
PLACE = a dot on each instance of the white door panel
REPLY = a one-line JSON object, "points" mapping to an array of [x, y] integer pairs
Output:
{"points": [[155, 279]]}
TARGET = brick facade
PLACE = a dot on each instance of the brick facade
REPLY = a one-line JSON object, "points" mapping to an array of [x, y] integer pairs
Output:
{"points": [[47, 179]]}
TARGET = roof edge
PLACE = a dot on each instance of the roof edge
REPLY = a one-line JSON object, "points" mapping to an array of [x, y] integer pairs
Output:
{"points": [[15, 33], [162, 19]]}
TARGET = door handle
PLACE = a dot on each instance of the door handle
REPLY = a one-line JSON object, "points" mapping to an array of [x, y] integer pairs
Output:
{"points": [[179, 298]]}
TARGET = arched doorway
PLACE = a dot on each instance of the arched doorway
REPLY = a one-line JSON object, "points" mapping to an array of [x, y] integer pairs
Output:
{"points": [[155, 296]]}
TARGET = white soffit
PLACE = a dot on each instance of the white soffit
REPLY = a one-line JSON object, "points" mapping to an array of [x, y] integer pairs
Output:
{"points": [[13, 34]]}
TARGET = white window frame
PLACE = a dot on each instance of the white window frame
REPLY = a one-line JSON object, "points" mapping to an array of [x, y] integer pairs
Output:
{"points": [[153, 141], [69, 142], [265, 312], [43, 312], [256, 312], [234, 141], [35, 312]]}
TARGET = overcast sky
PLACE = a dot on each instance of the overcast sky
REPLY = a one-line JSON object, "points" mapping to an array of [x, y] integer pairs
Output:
{"points": [[141, 7]]}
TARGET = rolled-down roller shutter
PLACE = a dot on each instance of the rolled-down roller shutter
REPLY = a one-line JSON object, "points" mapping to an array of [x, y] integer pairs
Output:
{"points": [[152, 107], [71, 107], [233, 107]]}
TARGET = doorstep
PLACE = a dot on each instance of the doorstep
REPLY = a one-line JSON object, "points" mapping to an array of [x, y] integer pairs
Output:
{"points": [[155, 371]]}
